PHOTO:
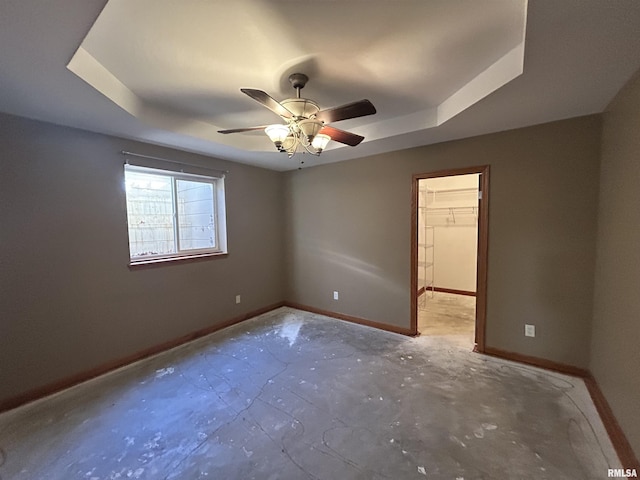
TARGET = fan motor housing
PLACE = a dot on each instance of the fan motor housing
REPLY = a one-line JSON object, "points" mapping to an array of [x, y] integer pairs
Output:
{"points": [[301, 107]]}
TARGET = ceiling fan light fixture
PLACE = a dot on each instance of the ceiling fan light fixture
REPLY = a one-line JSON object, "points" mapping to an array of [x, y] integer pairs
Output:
{"points": [[277, 133], [304, 121], [290, 145], [320, 142], [310, 128]]}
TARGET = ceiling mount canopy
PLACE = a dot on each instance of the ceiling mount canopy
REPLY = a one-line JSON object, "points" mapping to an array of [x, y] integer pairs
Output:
{"points": [[306, 127]]}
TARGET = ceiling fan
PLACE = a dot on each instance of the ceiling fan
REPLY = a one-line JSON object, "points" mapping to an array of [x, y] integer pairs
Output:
{"points": [[306, 127]]}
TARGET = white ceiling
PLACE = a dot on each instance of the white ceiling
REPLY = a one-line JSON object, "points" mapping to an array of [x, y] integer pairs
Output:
{"points": [[169, 71]]}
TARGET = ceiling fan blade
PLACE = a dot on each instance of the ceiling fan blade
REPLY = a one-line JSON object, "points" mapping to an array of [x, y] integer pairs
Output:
{"points": [[344, 112], [267, 101], [240, 130], [341, 136]]}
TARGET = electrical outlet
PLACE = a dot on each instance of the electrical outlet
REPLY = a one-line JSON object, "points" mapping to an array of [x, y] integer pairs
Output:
{"points": [[237, 298], [335, 295], [529, 330]]}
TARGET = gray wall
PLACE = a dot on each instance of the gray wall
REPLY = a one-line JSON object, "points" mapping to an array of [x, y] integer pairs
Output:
{"points": [[348, 229], [68, 301], [615, 344]]}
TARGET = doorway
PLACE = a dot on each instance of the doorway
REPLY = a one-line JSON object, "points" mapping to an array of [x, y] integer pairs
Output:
{"points": [[449, 243]]}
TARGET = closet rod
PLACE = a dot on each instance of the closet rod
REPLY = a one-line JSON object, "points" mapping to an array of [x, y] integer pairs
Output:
{"points": [[457, 190], [132, 154], [448, 209]]}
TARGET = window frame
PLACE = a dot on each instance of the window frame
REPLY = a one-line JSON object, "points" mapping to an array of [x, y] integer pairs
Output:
{"points": [[219, 216]]}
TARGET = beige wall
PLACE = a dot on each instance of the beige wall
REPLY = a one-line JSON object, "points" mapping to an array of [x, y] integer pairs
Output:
{"points": [[68, 301], [615, 344], [348, 229]]}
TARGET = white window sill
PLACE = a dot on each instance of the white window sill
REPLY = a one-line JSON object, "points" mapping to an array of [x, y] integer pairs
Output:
{"points": [[179, 259]]}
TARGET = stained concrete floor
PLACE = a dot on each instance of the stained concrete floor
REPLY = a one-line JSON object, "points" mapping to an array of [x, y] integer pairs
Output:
{"points": [[293, 395]]}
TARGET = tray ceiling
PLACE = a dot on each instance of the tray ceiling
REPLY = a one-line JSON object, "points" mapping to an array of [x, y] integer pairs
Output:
{"points": [[169, 72]]}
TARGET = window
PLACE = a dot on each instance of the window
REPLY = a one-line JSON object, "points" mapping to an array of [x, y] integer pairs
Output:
{"points": [[173, 215]]}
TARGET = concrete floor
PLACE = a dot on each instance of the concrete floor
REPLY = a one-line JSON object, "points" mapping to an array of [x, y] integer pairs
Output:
{"points": [[293, 395], [447, 316]]}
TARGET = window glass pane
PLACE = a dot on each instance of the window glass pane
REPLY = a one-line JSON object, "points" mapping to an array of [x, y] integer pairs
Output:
{"points": [[150, 214], [196, 226]]}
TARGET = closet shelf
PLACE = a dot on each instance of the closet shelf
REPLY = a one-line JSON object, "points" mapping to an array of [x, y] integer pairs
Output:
{"points": [[450, 190]]}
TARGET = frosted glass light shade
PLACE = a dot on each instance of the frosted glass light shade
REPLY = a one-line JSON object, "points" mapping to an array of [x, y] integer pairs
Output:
{"points": [[310, 128], [277, 133], [320, 142]]}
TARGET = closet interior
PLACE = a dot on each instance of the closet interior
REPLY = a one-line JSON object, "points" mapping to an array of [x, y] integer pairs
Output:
{"points": [[447, 256]]}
